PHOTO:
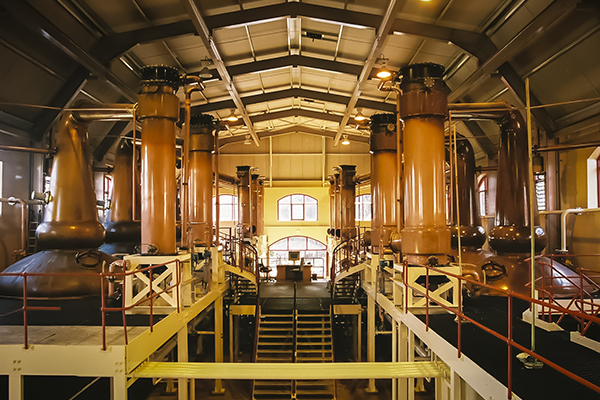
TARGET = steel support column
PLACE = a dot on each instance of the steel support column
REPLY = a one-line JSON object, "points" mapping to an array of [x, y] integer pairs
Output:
{"points": [[218, 309]]}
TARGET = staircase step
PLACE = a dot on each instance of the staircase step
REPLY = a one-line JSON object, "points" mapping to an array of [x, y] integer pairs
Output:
{"points": [[272, 383], [315, 329], [274, 336], [273, 351]]}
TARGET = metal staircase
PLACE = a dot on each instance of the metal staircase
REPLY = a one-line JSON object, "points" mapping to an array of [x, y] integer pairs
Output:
{"points": [[346, 289], [314, 343], [275, 343]]}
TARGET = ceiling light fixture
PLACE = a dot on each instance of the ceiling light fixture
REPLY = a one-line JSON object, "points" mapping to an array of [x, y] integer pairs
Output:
{"points": [[359, 116], [205, 71], [248, 140], [383, 72], [345, 142], [232, 117]]}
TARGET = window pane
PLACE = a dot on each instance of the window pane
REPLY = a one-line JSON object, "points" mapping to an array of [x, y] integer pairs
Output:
{"points": [[367, 212], [310, 200], [285, 212], [226, 214], [297, 243], [315, 244], [234, 211], [297, 211], [311, 212], [279, 245], [367, 198], [297, 199], [285, 200]]}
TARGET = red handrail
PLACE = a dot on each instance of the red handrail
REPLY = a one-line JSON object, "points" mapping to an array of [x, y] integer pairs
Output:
{"points": [[509, 338]]}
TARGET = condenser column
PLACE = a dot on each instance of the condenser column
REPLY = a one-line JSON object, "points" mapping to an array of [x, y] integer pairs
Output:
{"points": [[424, 108], [347, 200], [243, 174], [202, 146], [158, 110], [383, 178]]}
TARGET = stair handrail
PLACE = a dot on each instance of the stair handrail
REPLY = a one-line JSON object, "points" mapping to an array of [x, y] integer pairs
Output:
{"points": [[257, 324]]}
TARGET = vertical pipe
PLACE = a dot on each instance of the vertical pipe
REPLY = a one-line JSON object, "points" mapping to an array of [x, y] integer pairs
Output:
{"points": [[243, 174], [201, 148], [532, 209], [216, 182], [424, 108], [383, 178], [260, 204], [348, 196], [332, 198], [158, 110]]}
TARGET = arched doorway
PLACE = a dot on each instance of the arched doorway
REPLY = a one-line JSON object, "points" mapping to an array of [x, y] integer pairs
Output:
{"points": [[313, 251]]}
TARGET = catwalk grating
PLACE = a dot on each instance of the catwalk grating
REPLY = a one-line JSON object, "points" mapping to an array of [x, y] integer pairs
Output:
{"points": [[491, 353]]}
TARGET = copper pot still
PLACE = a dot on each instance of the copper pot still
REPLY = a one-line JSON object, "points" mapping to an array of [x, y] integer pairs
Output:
{"points": [[71, 233]]}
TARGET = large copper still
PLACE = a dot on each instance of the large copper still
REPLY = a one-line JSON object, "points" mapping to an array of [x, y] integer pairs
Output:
{"points": [[384, 170], [71, 232], [158, 110], [201, 148], [123, 231]]}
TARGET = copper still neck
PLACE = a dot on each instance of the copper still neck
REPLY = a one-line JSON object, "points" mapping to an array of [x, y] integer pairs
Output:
{"points": [[71, 218], [158, 110], [347, 202], [200, 184], [424, 107], [244, 212], [383, 178]]}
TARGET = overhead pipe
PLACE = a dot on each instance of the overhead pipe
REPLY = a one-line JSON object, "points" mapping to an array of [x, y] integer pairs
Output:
{"points": [[158, 110], [123, 230], [423, 108], [563, 228], [200, 183], [26, 149], [24, 219], [561, 147], [384, 170]]}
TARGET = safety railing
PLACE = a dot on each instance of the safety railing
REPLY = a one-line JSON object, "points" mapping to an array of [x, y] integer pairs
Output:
{"points": [[550, 288], [508, 339], [103, 278], [347, 254]]}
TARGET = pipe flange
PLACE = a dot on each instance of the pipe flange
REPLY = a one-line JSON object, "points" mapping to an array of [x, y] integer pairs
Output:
{"points": [[160, 74], [204, 120], [425, 73]]}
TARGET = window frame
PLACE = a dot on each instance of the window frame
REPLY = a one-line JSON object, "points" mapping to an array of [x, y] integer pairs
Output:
{"points": [[483, 181], [233, 204], [292, 204], [360, 206]]}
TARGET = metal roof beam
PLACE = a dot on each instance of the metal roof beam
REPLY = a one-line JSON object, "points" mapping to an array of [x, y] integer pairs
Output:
{"points": [[382, 32], [297, 112], [291, 130], [295, 61], [205, 34]]}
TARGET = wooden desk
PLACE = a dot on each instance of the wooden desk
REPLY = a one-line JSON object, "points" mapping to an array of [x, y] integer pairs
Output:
{"points": [[288, 272]]}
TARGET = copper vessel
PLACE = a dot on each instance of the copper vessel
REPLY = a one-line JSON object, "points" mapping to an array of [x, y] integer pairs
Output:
{"points": [[347, 202], [70, 233], [423, 107], [200, 184], [244, 212], [123, 230], [158, 110], [384, 170]]}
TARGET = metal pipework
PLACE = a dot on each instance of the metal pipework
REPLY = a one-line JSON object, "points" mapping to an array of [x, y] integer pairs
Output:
{"points": [[424, 108], [471, 231], [244, 212], [512, 231], [384, 170], [89, 112], [26, 149], [24, 219], [158, 110], [123, 231], [347, 198], [331, 229], [337, 231], [201, 148]]}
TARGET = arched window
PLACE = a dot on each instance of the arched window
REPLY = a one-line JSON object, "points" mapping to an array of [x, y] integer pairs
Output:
{"points": [[228, 208], [593, 179], [297, 207], [311, 250], [483, 195], [363, 207]]}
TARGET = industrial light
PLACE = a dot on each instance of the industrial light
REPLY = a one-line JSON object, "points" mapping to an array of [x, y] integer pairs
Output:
{"points": [[359, 116], [345, 141], [205, 73], [248, 140], [383, 72], [232, 117]]}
